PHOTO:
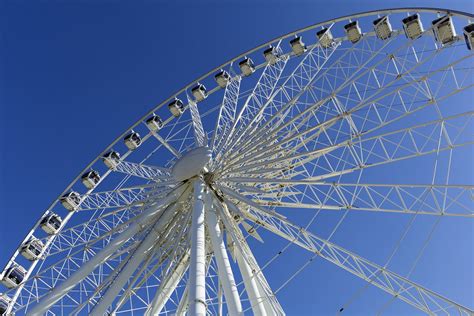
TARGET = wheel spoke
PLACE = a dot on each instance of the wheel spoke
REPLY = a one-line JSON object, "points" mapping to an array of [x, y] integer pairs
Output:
{"points": [[126, 197], [60, 290], [199, 134], [142, 171], [227, 113], [444, 200], [429, 138], [383, 106], [402, 288], [354, 53], [262, 91], [371, 117]]}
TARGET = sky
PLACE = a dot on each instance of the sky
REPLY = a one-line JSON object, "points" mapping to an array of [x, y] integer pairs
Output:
{"points": [[75, 74]]}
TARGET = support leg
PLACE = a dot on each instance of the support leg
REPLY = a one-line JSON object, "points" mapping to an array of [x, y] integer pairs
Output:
{"points": [[183, 303], [167, 287], [197, 268], [226, 277], [140, 253], [251, 287], [62, 289]]}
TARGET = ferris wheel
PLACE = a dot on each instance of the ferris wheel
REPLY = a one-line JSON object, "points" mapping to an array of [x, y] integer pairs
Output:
{"points": [[365, 115]]}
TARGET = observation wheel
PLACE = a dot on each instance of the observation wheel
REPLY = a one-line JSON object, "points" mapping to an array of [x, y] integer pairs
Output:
{"points": [[194, 209]]}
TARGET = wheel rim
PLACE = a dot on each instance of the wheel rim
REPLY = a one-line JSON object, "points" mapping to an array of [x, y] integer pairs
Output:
{"points": [[300, 133]]}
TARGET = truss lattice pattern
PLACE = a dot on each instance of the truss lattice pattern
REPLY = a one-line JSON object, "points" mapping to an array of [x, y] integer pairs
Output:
{"points": [[282, 143]]}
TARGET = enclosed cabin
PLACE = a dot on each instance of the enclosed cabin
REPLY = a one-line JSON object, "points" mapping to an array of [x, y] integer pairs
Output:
{"points": [[111, 159], [4, 302], [412, 26], [90, 179], [32, 249], [176, 107], [132, 140], [297, 46], [71, 200], [353, 31], [247, 66], [325, 37], [271, 55], [13, 276], [51, 223], [383, 28], [237, 218], [222, 78], [199, 92], [154, 122], [469, 36], [443, 30]]}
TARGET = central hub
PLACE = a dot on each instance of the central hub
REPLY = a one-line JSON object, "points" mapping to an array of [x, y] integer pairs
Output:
{"points": [[191, 164]]}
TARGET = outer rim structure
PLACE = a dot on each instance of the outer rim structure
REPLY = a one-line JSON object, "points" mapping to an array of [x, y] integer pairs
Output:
{"points": [[230, 63], [201, 78]]}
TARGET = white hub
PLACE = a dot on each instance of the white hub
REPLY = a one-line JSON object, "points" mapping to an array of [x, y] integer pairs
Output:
{"points": [[191, 164]]}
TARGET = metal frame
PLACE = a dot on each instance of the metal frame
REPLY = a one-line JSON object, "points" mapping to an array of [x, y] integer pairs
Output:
{"points": [[160, 246]]}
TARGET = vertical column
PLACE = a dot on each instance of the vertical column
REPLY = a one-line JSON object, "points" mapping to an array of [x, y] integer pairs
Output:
{"points": [[197, 268], [249, 278], [226, 277], [251, 286]]}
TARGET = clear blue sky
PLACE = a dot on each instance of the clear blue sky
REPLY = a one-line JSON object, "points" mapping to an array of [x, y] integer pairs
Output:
{"points": [[75, 74]]}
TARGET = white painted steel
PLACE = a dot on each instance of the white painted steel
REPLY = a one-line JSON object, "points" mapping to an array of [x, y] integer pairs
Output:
{"points": [[197, 268], [59, 291], [299, 138], [226, 276], [167, 287], [251, 286], [140, 253]]}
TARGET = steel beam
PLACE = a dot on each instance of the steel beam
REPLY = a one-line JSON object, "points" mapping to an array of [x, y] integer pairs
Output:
{"points": [[226, 276], [140, 253], [197, 269], [62, 289]]}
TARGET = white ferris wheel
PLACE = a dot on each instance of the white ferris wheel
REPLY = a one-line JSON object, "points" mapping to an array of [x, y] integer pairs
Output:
{"points": [[365, 115]]}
